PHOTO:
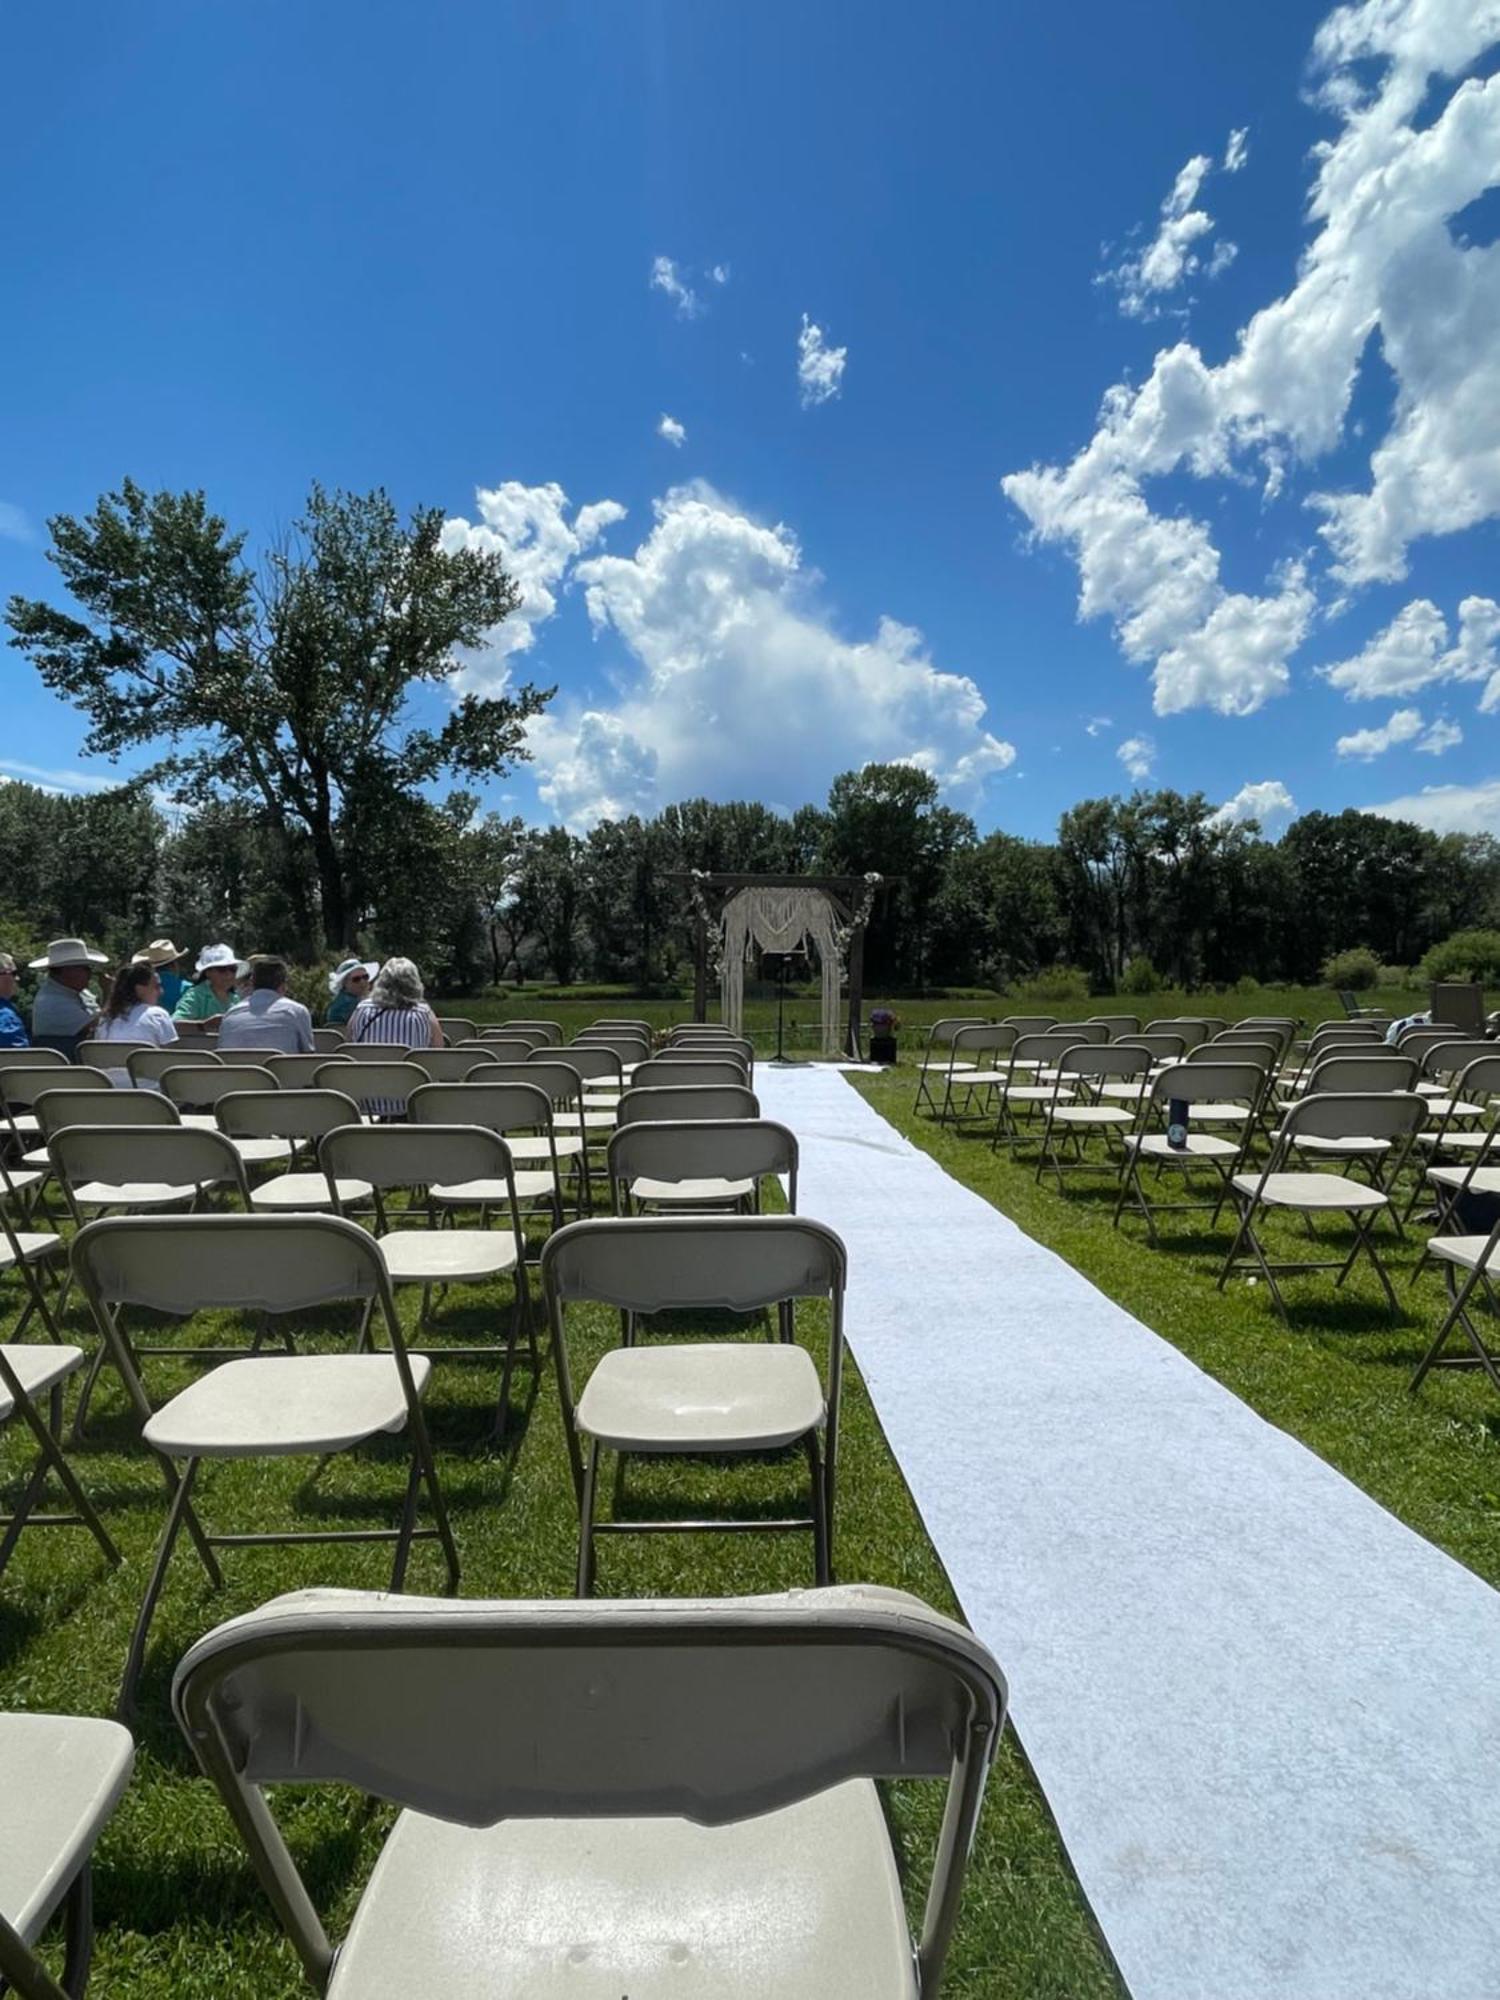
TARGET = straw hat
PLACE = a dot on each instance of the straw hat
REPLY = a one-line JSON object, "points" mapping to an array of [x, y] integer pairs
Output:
{"points": [[342, 971], [215, 954], [160, 951], [63, 952]]}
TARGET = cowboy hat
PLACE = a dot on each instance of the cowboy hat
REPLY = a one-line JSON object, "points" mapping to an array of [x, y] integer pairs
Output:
{"points": [[343, 969], [63, 952], [160, 951], [215, 954]]}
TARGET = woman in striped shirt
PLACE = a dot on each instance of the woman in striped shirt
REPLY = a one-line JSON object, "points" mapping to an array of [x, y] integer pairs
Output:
{"points": [[395, 1011]]}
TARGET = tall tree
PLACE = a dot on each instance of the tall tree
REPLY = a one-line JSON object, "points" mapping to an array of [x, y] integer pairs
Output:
{"points": [[887, 818], [291, 687]]}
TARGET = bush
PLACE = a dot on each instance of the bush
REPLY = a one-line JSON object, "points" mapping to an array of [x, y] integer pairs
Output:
{"points": [[1402, 976], [1141, 976], [1244, 986], [1055, 982], [1357, 970], [1465, 955]]}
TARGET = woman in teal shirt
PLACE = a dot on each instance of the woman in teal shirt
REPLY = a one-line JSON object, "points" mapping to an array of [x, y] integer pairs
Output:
{"points": [[348, 983]]}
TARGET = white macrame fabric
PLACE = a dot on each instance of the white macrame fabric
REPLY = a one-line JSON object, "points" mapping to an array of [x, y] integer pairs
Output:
{"points": [[782, 920]]}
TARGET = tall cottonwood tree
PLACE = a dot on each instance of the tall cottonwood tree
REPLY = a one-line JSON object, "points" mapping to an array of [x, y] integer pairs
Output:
{"points": [[291, 686]]}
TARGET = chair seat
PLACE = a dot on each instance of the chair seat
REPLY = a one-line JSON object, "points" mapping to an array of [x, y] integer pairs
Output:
{"points": [[447, 1256], [693, 1191], [1466, 1142], [34, 1246], [1453, 1107], [1310, 1191], [1486, 1179], [700, 1396], [1126, 1093], [1219, 1114], [307, 1192], [135, 1194], [593, 1121], [37, 1368], [525, 1147], [1035, 1093], [1091, 1114], [950, 1069], [262, 1152], [533, 1186], [63, 1776], [270, 1404], [1351, 1148], [1465, 1250], [1200, 1146], [36, 1163], [26, 1121], [800, 1904]]}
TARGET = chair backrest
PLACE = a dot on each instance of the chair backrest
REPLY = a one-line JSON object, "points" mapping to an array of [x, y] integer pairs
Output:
{"points": [[1226, 1080], [200, 1089], [1215, 1023], [1275, 1034], [285, 1114], [452, 1065], [1117, 1059], [1449, 1058], [382, 1087], [545, 1070], [508, 1048], [1286, 1021], [456, 1029], [511, 1033], [1239, 1048], [374, 1052], [58, 1108], [298, 1072], [731, 1149], [1162, 1047], [1029, 1024], [548, 1031], [497, 1107], [33, 1059], [1044, 1047], [594, 1060], [110, 1055], [1344, 1034], [1357, 1072], [942, 1032], [1459, 1003], [248, 1058], [326, 1040], [1417, 1041], [975, 1043], [414, 1156], [715, 1710], [165, 1155], [1191, 1031], [674, 1263], [1331, 1114], [615, 1023], [1118, 1024], [701, 1069], [147, 1065], [692, 1100], [21, 1088], [1480, 1078], [629, 1048], [1087, 1031]]}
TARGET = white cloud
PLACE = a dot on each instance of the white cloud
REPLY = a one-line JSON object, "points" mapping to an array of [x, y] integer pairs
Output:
{"points": [[674, 432], [1441, 736], [1137, 754], [738, 684], [1265, 802], [1382, 261], [1237, 151], [15, 523], [1413, 651], [1449, 808], [1096, 725], [666, 277], [719, 273], [529, 528], [820, 368], [1176, 252], [1405, 724], [47, 779]]}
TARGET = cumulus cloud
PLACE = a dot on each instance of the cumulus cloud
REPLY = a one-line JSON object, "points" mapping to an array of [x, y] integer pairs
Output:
{"points": [[1096, 725], [528, 526], [1383, 263], [1405, 723], [1237, 151], [1413, 651], [674, 432], [1137, 754], [719, 273], [1441, 736], [820, 368], [666, 277], [1265, 802], [1449, 808], [1173, 254], [737, 684]]}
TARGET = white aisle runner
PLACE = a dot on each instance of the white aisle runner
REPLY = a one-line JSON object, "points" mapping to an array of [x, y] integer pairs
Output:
{"points": [[1266, 1716]]}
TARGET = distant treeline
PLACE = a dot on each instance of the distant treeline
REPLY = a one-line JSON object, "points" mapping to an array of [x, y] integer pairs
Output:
{"points": [[1149, 885]]}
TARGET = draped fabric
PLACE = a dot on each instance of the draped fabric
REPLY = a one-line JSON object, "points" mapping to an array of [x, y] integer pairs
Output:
{"points": [[782, 920]]}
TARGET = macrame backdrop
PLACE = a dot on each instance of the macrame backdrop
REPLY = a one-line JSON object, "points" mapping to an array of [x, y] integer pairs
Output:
{"points": [[782, 920]]}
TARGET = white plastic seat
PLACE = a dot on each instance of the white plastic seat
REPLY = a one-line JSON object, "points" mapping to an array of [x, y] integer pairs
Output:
{"points": [[1308, 1191], [1199, 1146], [275, 1404], [307, 1194], [691, 1193], [447, 1256], [701, 1397], [487, 1193], [36, 1368]]}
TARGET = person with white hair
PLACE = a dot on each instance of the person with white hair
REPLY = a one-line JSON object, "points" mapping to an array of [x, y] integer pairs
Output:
{"points": [[396, 1011], [13, 1033]]}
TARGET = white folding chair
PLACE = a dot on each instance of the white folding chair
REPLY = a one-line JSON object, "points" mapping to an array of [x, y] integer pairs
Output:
{"points": [[456, 1029], [700, 1164], [265, 1406], [380, 1089], [520, 1113], [1026, 1085], [1225, 1083], [130, 1167], [295, 1118], [691, 1399], [147, 1066], [61, 1776], [937, 1059], [689, 1100], [675, 1070], [1077, 1113], [648, 1797]]}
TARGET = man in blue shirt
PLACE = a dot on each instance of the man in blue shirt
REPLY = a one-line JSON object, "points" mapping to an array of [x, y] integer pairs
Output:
{"points": [[268, 1019], [12, 1026], [164, 955], [65, 1010]]}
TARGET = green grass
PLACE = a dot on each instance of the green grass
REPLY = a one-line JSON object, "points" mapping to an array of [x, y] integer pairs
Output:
{"points": [[179, 1910]]}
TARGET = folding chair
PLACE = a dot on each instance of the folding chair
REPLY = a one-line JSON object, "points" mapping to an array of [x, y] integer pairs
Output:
{"points": [[1439, 1065], [61, 1776], [700, 1164], [111, 1055], [456, 1029], [1026, 1024], [33, 1059], [197, 1094], [147, 1066], [619, 1024], [691, 1100], [528, 1127], [101, 1167], [1225, 1082], [57, 1109], [452, 1065], [1360, 1073], [1477, 1088], [1393, 1117], [380, 1089], [297, 1072], [544, 1031], [1192, 1031], [937, 1056], [1076, 1113], [248, 1058], [975, 1072], [300, 1118], [520, 1113], [1417, 1041], [506, 1048], [448, 1167], [327, 1041], [26, 1251], [629, 1047], [1474, 1256], [1026, 1084], [1121, 1026], [600, 1070], [651, 1797], [266, 1406], [669, 1071], [374, 1052], [700, 1398], [21, 1088]]}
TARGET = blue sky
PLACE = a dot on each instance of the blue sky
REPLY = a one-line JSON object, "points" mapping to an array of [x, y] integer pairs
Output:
{"points": [[245, 248]]}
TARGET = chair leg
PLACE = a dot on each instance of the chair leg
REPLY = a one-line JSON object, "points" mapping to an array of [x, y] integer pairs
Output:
{"points": [[408, 1524], [177, 1513], [585, 1586], [80, 1934], [50, 1458], [422, 1454], [822, 1554]]}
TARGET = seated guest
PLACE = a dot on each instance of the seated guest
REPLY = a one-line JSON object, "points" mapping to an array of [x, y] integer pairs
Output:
{"points": [[268, 1019], [64, 1010], [164, 955], [12, 1022], [395, 1011], [134, 1013], [211, 995], [348, 983]]}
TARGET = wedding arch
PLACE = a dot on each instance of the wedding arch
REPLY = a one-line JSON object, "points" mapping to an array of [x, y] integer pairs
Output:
{"points": [[735, 914]]}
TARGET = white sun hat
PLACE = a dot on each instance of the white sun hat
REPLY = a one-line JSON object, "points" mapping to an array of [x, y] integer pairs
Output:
{"points": [[343, 969], [67, 951], [215, 954]]}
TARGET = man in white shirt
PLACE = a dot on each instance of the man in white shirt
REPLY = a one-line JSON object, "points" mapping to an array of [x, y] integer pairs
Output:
{"points": [[268, 1019]]}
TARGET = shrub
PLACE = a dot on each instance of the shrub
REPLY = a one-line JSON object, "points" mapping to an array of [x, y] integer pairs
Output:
{"points": [[1056, 982], [1356, 970], [309, 984], [1245, 986], [1465, 955], [1397, 975], [1141, 976]]}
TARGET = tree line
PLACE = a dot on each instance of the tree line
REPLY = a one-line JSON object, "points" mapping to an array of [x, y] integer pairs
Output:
{"points": [[302, 805]]}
